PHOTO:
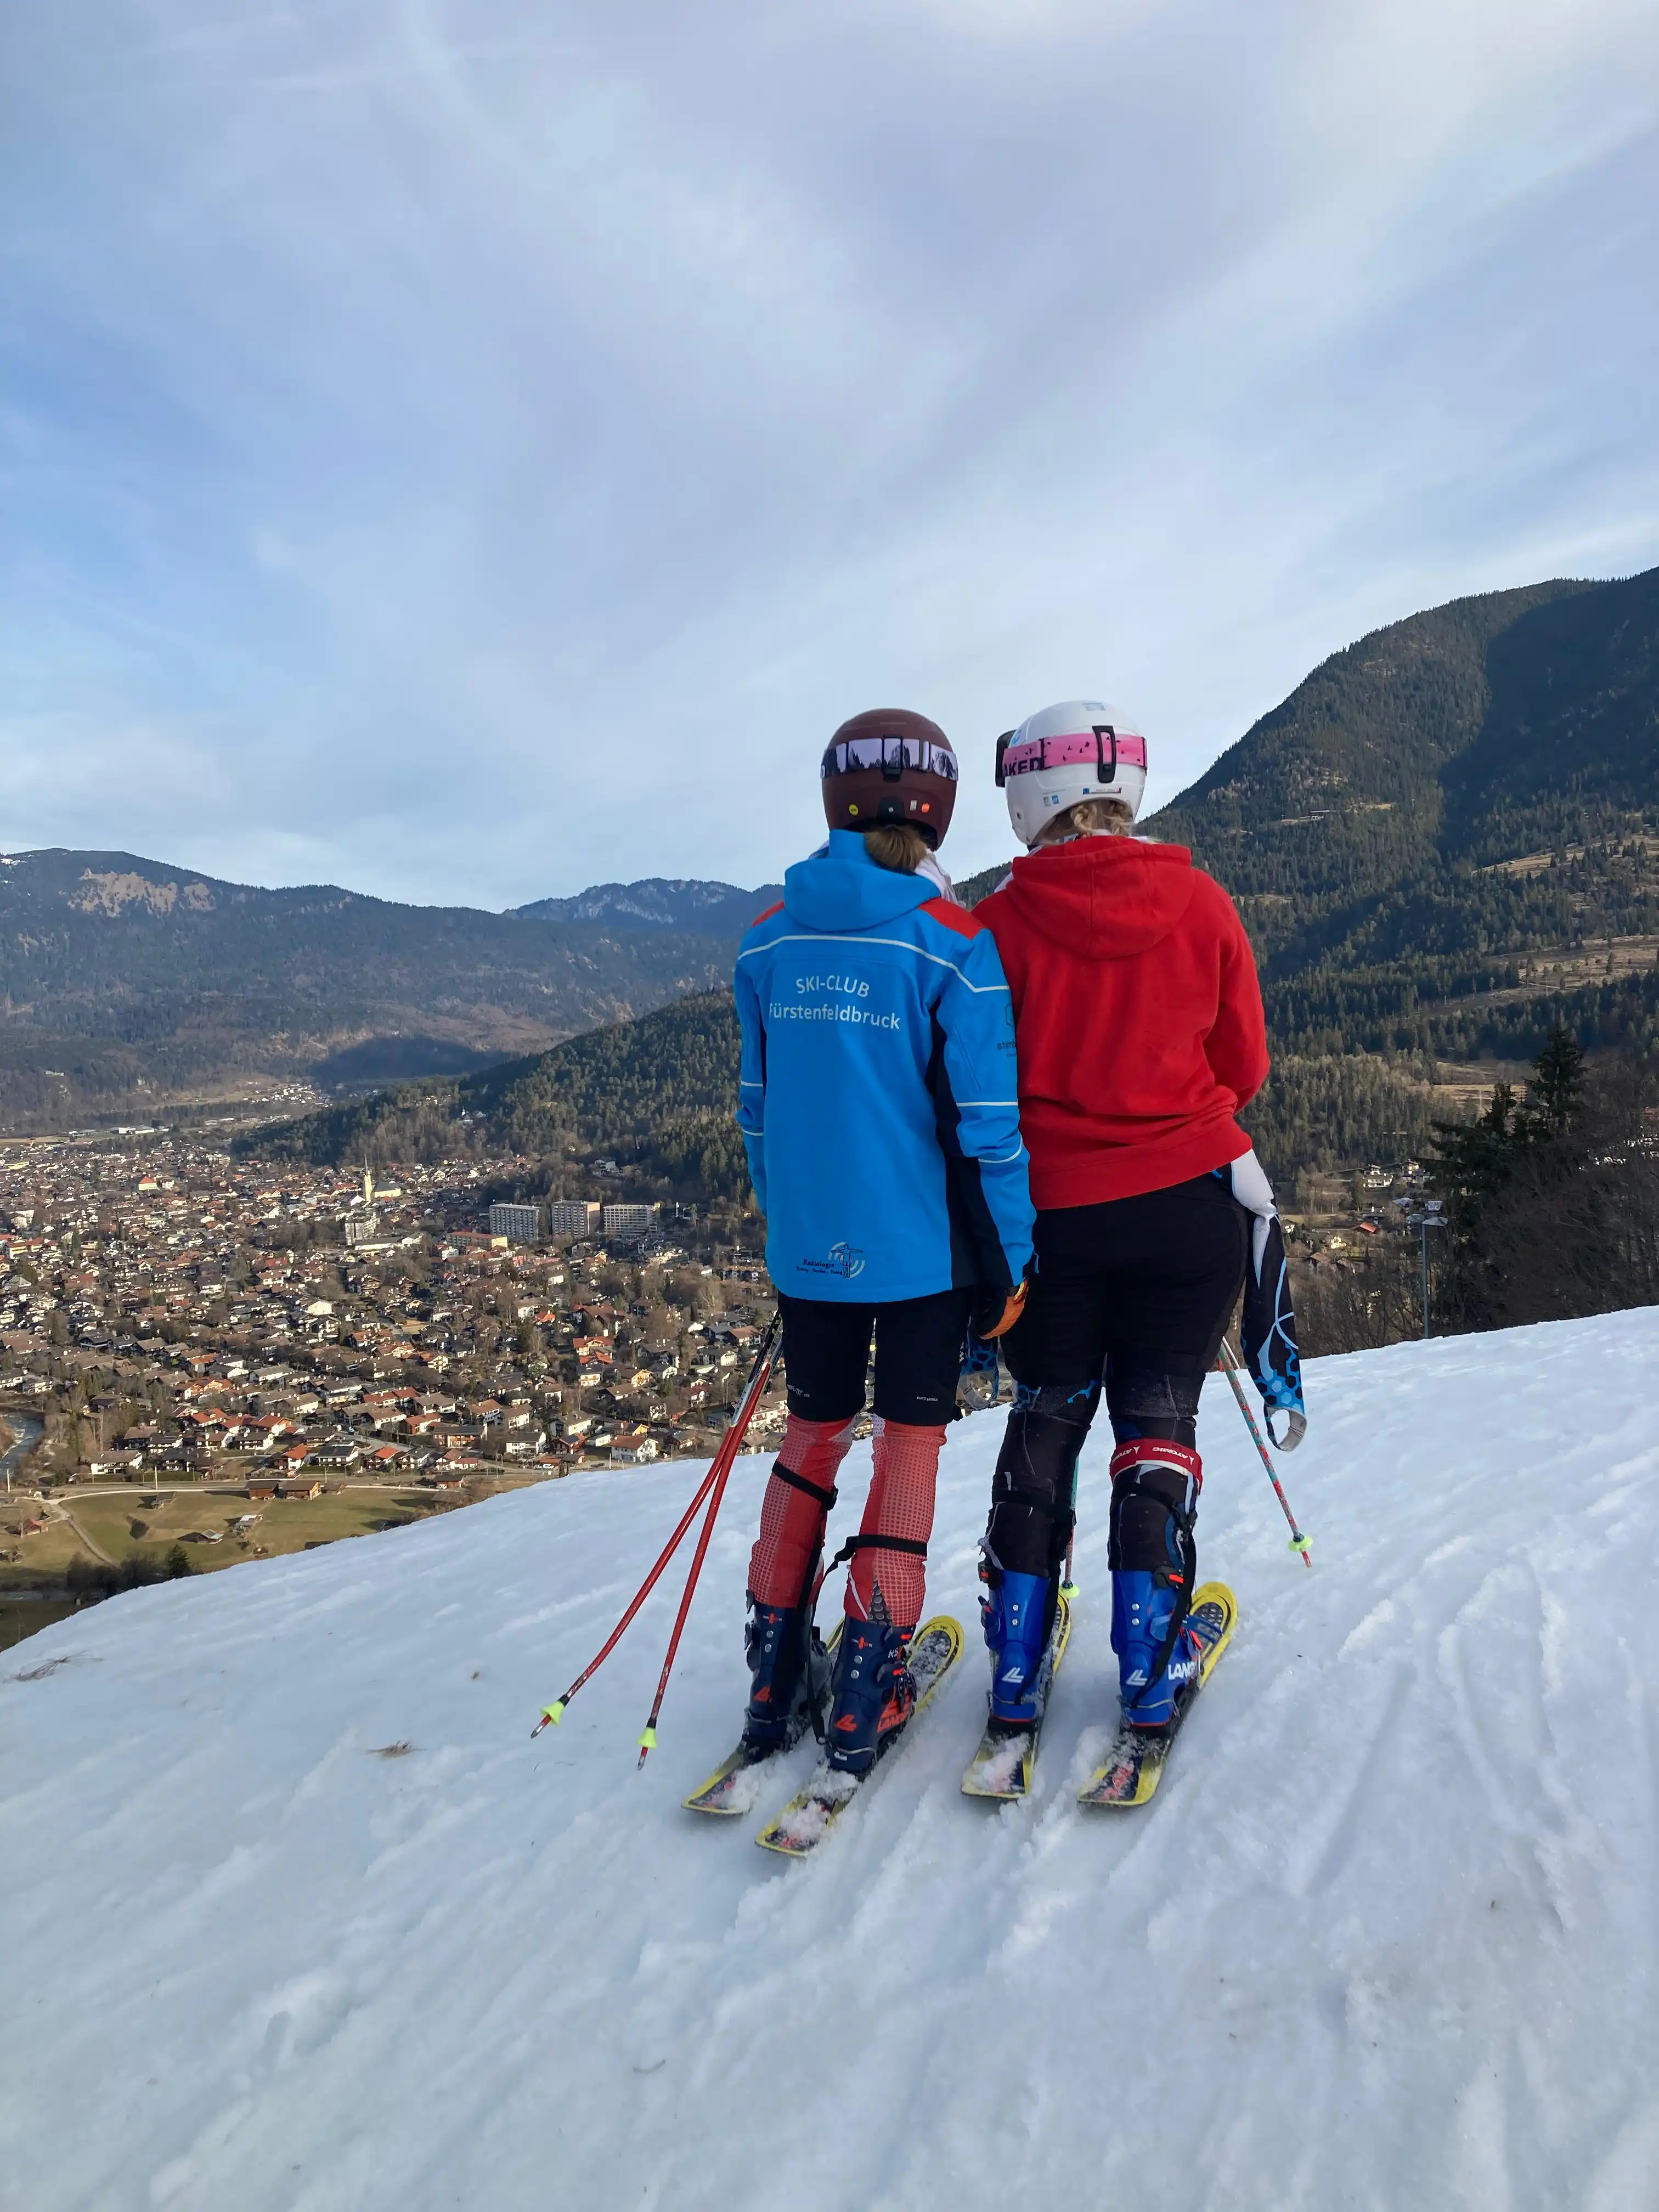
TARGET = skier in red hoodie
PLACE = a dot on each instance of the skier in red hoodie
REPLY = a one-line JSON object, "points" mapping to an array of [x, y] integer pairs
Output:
{"points": [[1140, 1034]]}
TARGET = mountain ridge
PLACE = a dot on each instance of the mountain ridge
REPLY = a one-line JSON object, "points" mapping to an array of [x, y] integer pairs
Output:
{"points": [[1398, 922], [126, 982], [709, 909], [1489, 775], [1442, 840]]}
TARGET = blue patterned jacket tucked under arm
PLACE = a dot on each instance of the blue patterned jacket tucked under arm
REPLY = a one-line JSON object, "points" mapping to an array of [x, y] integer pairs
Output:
{"points": [[878, 1104]]}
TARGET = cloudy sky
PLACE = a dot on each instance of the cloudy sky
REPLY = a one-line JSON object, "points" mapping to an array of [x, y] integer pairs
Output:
{"points": [[468, 449]]}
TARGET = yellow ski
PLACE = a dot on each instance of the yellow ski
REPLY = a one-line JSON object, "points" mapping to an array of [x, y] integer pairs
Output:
{"points": [[1006, 1758], [811, 1815], [1135, 1765]]}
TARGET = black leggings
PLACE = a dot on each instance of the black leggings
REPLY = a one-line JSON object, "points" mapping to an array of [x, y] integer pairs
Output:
{"points": [[1136, 1294], [826, 1356]]}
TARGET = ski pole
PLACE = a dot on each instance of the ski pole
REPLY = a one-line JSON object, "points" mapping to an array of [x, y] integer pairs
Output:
{"points": [[1298, 1541], [734, 1436], [553, 1714], [1068, 1586]]}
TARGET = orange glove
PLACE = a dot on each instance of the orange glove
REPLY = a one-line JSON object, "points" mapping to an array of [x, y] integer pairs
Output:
{"points": [[1013, 1307]]}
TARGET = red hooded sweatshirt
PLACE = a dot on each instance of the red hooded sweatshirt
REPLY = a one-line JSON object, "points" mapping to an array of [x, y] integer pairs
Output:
{"points": [[1137, 1017]]}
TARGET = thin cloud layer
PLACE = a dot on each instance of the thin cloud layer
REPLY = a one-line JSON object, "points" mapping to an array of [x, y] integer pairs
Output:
{"points": [[466, 451]]}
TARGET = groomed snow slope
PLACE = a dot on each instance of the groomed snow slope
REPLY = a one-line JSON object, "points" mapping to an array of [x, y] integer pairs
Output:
{"points": [[1388, 1937]]}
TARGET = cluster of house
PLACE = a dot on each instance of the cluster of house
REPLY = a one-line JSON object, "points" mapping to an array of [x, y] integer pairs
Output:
{"points": [[180, 1312], [1379, 1212]]}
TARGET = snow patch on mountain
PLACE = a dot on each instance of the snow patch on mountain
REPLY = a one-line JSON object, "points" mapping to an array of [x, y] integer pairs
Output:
{"points": [[294, 1915]]}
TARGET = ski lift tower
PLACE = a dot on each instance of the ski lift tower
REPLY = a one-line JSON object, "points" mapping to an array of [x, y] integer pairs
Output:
{"points": [[1430, 1216]]}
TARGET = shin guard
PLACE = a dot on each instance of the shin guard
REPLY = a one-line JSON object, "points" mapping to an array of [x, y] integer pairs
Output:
{"points": [[1154, 1562], [1033, 1490]]}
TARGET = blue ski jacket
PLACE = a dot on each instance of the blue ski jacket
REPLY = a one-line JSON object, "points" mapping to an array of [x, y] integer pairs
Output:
{"points": [[878, 1102]]}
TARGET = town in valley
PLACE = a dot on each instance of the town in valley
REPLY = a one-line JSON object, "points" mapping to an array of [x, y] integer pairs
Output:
{"points": [[205, 1358]]}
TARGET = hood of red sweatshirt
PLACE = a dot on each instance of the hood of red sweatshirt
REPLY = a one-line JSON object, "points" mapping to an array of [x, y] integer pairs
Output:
{"points": [[1103, 898]]}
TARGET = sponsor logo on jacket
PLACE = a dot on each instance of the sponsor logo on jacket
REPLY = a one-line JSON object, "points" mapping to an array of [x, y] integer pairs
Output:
{"points": [[845, 1261]]}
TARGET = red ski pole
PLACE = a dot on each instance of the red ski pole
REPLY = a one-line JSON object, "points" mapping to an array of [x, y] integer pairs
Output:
{"points": [[734, 1436], [553, 1714], [1298, 1541]]}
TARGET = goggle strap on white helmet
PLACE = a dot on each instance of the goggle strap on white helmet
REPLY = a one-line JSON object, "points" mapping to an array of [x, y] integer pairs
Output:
{"points": [[1076, 750], [1044, 753], [1100, 743]]}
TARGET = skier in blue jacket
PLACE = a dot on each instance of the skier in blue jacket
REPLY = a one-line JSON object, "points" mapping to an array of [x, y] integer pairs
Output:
{"points": [[879, 1108]]}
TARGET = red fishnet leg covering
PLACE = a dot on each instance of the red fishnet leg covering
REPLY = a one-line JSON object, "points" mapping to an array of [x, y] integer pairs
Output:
{"points": [[791, 1523], [900, 1503]]}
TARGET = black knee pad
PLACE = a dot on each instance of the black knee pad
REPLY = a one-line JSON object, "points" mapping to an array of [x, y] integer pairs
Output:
{"points": [[1155, 1490], [1033, 1489], [1151, 1402]]}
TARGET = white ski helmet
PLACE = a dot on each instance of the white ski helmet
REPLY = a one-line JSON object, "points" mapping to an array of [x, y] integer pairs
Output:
{"points": [[1080, 749]]}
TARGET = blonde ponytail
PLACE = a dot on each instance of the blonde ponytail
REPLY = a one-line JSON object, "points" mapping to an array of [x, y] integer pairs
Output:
{"points": [[899, 846], [1090, 817]]}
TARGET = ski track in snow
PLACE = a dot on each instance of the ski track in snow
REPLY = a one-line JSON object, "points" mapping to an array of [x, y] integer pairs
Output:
{"points": [[1386, 1937]]}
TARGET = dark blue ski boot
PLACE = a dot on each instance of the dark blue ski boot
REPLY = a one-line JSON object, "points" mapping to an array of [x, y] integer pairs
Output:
{"points": [[789, 1676], [1155, 1667], [1017, 1616], [872, 1695]]}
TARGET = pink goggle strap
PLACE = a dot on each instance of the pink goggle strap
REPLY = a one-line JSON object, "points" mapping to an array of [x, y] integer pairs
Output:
{"points": [[1042, 753]]}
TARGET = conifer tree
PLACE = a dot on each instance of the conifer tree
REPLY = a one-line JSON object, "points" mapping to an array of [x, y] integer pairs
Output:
{"points": [[1557, 1082]]}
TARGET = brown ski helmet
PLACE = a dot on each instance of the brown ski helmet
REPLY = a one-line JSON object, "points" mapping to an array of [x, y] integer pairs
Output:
{"points": [[890, 765]]}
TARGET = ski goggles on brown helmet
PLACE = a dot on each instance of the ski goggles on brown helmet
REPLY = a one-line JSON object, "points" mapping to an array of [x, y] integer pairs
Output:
{"points": [[892, 755], [890, 765]]}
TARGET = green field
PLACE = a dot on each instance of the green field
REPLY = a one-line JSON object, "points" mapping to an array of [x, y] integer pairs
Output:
{"points": [[125, 1527]]}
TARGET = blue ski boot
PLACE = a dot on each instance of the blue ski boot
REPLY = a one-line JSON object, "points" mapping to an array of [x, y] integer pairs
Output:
{"points": [[872, 1695], [1154, 1563], [789, 1676], [1017, 1616], [1157, 1662]]}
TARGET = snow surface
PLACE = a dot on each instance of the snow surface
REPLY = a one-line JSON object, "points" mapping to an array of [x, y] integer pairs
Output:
{"points": [[1386, 1938]]}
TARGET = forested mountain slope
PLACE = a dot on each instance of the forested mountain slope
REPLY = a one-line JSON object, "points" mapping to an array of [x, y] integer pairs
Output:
{"points": [[1463, 805], [658, 1095], [122, 979], [1446, 838]]}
